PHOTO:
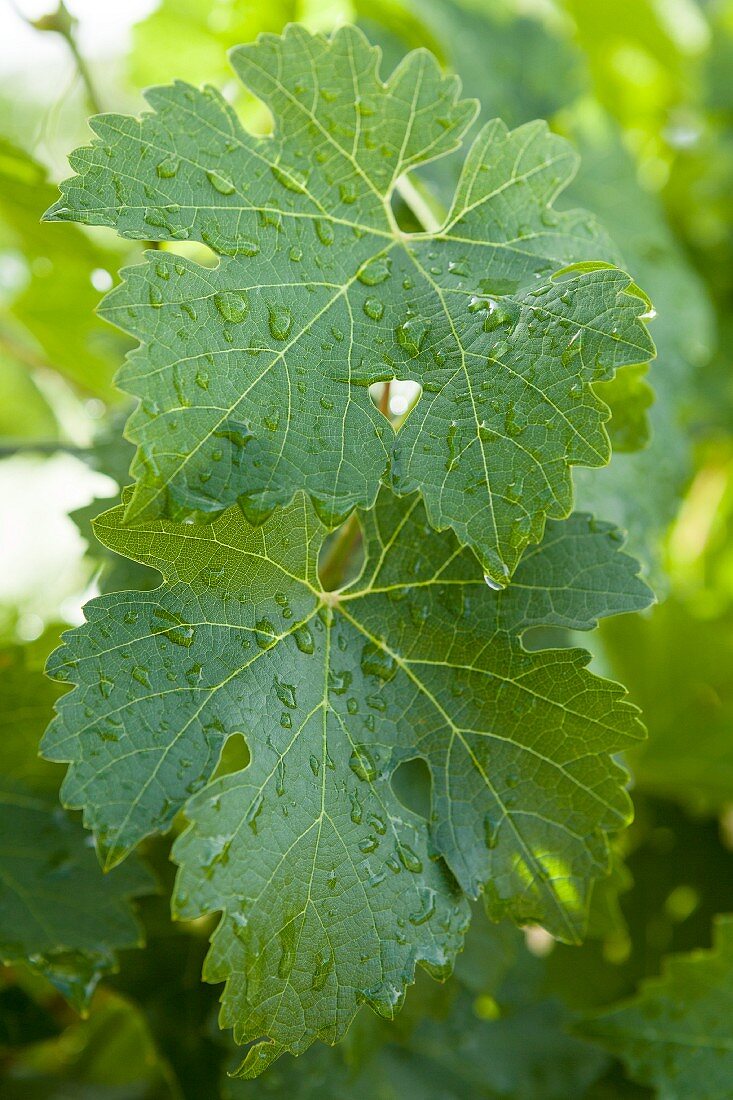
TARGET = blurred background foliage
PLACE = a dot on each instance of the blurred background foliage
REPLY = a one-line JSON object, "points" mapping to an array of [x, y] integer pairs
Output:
{"points": [[644, 89]]}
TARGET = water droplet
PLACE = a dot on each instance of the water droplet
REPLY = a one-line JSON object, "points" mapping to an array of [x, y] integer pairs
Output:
{"points": [[168, 167], [266, 635], [375, 271], [280, 781], [220, 183], [286, 693], [140, 673], [324, 231], [254, 812], [180, 633], [304, 640], [356, 807], [324, 966], [280, 320], [375, 661], [155, 296], [291, 179], [427, 908], [339, 682], [363, 764], [411, 334], [233, 305], [491, 830], [287, 950], [373, 308], [409, 858]]}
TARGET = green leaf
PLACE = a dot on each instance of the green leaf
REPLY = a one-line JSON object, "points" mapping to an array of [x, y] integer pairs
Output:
{"points": [[501, 1038], [329, 887], [55, 301], [109, 1056], [253, 377], [629, 396], [675, 1035], [59, 913], [680, 665]]}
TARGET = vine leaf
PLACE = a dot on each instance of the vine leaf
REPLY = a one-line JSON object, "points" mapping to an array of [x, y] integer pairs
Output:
{"points": [[253, 376], [330, 889], [675, 1034], [58, 913]]}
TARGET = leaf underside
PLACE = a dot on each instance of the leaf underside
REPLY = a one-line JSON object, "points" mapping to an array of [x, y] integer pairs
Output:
{"points": [[330, 889], [253, 376]]}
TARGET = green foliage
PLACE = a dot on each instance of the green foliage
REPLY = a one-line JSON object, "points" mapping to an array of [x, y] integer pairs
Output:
{"points": [[58, 912], [675, 1034], [329, 886], [49, 319], [315, 272], [333, 742]]}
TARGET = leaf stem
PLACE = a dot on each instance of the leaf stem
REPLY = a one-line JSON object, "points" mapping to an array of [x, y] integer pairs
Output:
{"points": [[345, 542], [419, 203]]}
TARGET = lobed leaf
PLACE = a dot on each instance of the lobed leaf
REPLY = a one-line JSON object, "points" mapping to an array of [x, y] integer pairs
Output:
{"points": [[330, 889], [253, 376]]}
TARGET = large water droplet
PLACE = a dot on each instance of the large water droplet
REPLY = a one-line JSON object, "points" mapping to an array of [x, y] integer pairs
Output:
{"points": [[168, 167], [375, 661], [375, 271], [280, 320], [180, 632], [233, 305], [220, 183], [363, 764]]}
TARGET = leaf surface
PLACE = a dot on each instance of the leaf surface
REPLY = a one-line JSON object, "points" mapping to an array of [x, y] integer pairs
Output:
{"points": [[330, 888], [253, 376]]}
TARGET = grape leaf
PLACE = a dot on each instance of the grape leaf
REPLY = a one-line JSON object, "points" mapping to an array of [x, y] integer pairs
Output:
{"points": [[253, 377], [675, 1035], [58, 912], [484, 1035], [328, 885]]}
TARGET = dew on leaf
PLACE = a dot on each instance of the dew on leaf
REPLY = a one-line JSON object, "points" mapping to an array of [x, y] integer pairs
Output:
{"points": [[220, 183]]}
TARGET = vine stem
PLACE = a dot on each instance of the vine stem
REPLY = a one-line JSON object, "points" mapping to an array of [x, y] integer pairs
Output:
{"points": [[63, 23], [347, 540]]}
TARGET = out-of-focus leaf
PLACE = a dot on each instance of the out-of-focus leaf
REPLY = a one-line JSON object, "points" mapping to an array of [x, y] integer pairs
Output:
{"points": [[25, 414], [50, 311], [110, 1056], [59, 913], [676, 1033], [680, 666], [641, 491], [629, 397]]}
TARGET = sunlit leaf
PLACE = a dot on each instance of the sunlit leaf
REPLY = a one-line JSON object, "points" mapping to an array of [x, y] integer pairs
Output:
{"points": [[253, 377], [329, 886]]}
